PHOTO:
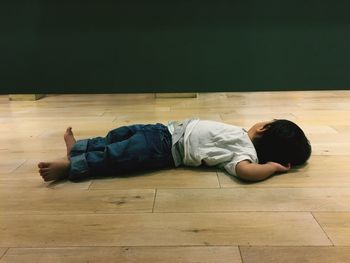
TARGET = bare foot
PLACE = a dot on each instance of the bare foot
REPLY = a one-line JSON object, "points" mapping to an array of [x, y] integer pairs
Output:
{"points": [[53, 171], [69, 139]]}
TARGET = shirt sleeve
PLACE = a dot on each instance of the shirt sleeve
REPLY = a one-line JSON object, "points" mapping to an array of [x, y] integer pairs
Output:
{"points": [[230, 167]]}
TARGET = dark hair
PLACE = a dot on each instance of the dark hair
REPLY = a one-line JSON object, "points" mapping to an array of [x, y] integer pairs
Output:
{"points": [[283, 142]]}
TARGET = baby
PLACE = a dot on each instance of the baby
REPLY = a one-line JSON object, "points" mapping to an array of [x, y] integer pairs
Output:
{"points": [[265, 149]]}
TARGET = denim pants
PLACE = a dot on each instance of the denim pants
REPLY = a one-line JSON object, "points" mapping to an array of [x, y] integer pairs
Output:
{"points": [[124, 150]]}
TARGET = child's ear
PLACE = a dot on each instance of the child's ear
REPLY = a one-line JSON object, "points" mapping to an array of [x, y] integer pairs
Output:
{"points": [[261, 130]]}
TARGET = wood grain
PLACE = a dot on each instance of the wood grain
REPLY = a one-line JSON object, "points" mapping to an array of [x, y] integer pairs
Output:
{"points": [[252, 199], [162, 229], [295, 254], [2, 252], [62, 201], [172, 178], [124, 254], [336, 225]]}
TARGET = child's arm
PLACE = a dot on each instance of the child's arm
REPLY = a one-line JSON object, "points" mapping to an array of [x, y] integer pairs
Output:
{"points": [[257, 172]]}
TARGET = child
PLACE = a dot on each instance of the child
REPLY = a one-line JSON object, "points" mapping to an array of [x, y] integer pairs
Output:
{"points": [[265, 149]]}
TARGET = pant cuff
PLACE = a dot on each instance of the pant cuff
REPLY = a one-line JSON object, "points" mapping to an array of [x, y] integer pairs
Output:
{"points": [[78, 168], [79, 147]]}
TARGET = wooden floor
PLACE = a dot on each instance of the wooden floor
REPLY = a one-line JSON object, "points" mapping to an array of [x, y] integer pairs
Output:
{"points": [[182, 215]]}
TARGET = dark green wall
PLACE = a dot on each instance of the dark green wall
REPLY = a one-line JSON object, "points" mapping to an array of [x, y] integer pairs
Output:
{"points": [[173, 46]]}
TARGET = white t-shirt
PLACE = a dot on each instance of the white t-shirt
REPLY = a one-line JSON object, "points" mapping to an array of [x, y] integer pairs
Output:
{"points": [[215, 143]]}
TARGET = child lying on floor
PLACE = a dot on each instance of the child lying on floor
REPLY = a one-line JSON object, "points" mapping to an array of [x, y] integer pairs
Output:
{"points": [[265, 149]]}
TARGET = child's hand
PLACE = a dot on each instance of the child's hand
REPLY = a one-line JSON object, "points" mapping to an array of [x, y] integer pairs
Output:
{"points": [[279, 167], [257, 172]]}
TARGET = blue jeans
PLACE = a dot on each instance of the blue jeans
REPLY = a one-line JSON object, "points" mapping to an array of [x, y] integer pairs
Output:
{"points": [[124, 150]]}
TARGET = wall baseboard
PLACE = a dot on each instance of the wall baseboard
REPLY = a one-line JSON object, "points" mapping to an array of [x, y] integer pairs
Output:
{"points": [[176, 95], [29, 97]]}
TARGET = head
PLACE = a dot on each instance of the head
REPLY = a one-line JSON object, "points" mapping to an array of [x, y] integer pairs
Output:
{"points": [[280, 141]]}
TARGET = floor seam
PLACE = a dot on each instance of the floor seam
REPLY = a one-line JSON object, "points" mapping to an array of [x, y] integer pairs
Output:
{"points": [[330, 240]]}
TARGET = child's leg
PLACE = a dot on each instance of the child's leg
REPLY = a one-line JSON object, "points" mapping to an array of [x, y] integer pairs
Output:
{"points": [[100, 143], [148, 147], [122, 133], [58, 170], [130, 148]]}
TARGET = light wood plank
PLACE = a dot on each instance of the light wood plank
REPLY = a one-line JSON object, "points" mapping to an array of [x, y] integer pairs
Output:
{"points": [[161, 229], [58, 113], [313, 130], [7, 166], [345, 129], [295, 254], [25, 182], [61, 201], [39, 124], [252, 199], [247, 120], [124, 254], [2, 252], [31, 160], [329, 104], [30, 166], [321, 171], [172, 178], [323, 116], [140, 108], [337, 149], [336, 225], [163, 117], [328, 138]]}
